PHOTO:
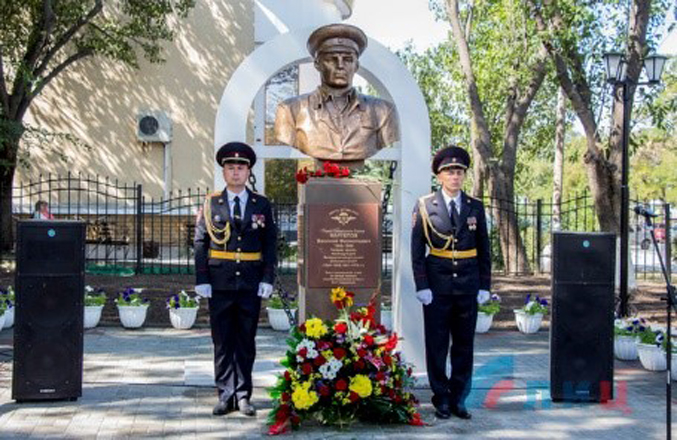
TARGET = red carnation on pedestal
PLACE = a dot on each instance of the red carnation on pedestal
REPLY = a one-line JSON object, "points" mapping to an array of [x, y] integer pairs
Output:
{"points": [[302, 176], [329, 169]]}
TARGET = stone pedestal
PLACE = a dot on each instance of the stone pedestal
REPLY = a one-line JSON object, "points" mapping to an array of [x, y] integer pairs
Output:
{"points": [[339, 223]]}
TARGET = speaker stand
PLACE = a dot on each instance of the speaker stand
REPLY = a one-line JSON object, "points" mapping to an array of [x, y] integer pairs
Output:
{"points": [[671, 303]]}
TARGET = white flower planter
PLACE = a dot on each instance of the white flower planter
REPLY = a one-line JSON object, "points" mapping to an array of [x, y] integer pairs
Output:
{"points": [[92, 316], [387, 319], [2, 320], [484, 322], [183, 318], [528, 324], [278, 319], [625, 348], [652, 357], [132, 316], [9, 318]]}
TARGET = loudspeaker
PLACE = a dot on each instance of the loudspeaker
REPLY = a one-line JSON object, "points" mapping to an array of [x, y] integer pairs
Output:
{"points": [[581, 334], [48, 332]]}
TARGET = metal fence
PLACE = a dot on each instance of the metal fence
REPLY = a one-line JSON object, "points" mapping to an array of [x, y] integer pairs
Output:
{"points": [[536, 221], [127, 232]]}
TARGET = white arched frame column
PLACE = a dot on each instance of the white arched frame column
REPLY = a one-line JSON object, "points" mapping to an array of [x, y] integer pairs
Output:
{"points": [[387, 73]]}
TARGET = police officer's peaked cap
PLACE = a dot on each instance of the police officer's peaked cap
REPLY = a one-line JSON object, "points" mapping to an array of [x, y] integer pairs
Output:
{"points": [[337, 37], [451, 157], [236, 152]]}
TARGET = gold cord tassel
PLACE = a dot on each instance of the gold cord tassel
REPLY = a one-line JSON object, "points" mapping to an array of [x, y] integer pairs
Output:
{"points": [[211, 230], [428, 224]]}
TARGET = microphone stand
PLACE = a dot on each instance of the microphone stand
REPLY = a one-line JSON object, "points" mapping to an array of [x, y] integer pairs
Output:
{"points": [[671, 303]]}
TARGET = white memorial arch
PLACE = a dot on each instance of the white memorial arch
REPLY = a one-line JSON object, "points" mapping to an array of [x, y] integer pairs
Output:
{"points": [[393, 81]]}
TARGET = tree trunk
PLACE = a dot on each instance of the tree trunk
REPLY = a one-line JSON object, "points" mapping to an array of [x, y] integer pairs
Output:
{"points": [[503, 209], [500, 177], [558, 167], [6, 230], [11, 132]]}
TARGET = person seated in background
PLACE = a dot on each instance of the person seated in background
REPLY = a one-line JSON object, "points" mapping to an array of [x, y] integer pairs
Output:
{"points": [[42, 211]]}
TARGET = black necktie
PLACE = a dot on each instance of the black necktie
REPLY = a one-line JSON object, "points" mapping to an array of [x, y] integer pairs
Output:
{"points": [[455, 221], [237, 212]]}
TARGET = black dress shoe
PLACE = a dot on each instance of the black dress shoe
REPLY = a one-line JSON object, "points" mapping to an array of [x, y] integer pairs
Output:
{"points": [[442, 411], [246, 408], [461, 412], [222, 408]]}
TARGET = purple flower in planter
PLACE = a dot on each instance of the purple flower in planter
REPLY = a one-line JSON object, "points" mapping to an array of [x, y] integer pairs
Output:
{"points": [[544, 302], [526, 301]]}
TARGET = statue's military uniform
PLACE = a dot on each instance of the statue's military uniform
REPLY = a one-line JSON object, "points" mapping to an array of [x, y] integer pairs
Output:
{"points": [[335, 122], [456, 267], [234, 255]]}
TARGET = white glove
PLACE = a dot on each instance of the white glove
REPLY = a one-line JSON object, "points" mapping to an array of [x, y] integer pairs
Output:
{"points": [[265, 290], [483, 296], [204, 290], [425, 296]]}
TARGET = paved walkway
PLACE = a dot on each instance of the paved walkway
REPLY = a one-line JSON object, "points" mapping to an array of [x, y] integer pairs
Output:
{"points": [[157, 382]]}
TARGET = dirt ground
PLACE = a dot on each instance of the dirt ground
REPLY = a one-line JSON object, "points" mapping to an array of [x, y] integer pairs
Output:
{"points": [[646, 301]]}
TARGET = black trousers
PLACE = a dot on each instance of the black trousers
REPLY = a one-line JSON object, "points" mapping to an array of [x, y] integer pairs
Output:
{"points": [[234, 318], [445, 316]]}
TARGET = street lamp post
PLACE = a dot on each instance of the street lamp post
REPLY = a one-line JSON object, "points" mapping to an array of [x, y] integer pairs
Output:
{"points": [[616, 69], [616, 73]]}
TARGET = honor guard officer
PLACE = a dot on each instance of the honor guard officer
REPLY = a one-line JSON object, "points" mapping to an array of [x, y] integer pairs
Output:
{"points": [[235, 243], [451, 279]]}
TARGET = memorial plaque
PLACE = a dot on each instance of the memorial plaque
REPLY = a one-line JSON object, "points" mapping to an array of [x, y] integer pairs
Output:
{"points": [[343, 246], [339, 243]]}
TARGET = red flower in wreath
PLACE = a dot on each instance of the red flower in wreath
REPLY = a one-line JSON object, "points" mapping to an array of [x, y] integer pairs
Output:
{"points": [[341, 385], [339, 353], [341, 328]]}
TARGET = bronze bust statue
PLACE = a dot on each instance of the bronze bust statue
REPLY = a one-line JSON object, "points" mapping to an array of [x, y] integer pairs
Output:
{"points": [[334, 122]]}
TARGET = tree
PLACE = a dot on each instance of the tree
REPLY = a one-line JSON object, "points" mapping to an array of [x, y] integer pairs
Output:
{"points": [[558, 164], [494, 38], [572, 33], [41, 39]]}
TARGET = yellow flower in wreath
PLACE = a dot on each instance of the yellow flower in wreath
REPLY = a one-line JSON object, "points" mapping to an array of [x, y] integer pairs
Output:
{"points": [[340, 296], [302, 397], [315, 328], [361, 385]]}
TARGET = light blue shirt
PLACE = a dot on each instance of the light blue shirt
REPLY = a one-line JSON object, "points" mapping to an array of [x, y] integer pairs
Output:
{"points": [[231, 201], [448, 199]]}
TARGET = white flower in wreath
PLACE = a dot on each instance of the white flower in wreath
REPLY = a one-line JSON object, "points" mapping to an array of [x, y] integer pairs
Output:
{"points": [[311, 352], [330, 369]]}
